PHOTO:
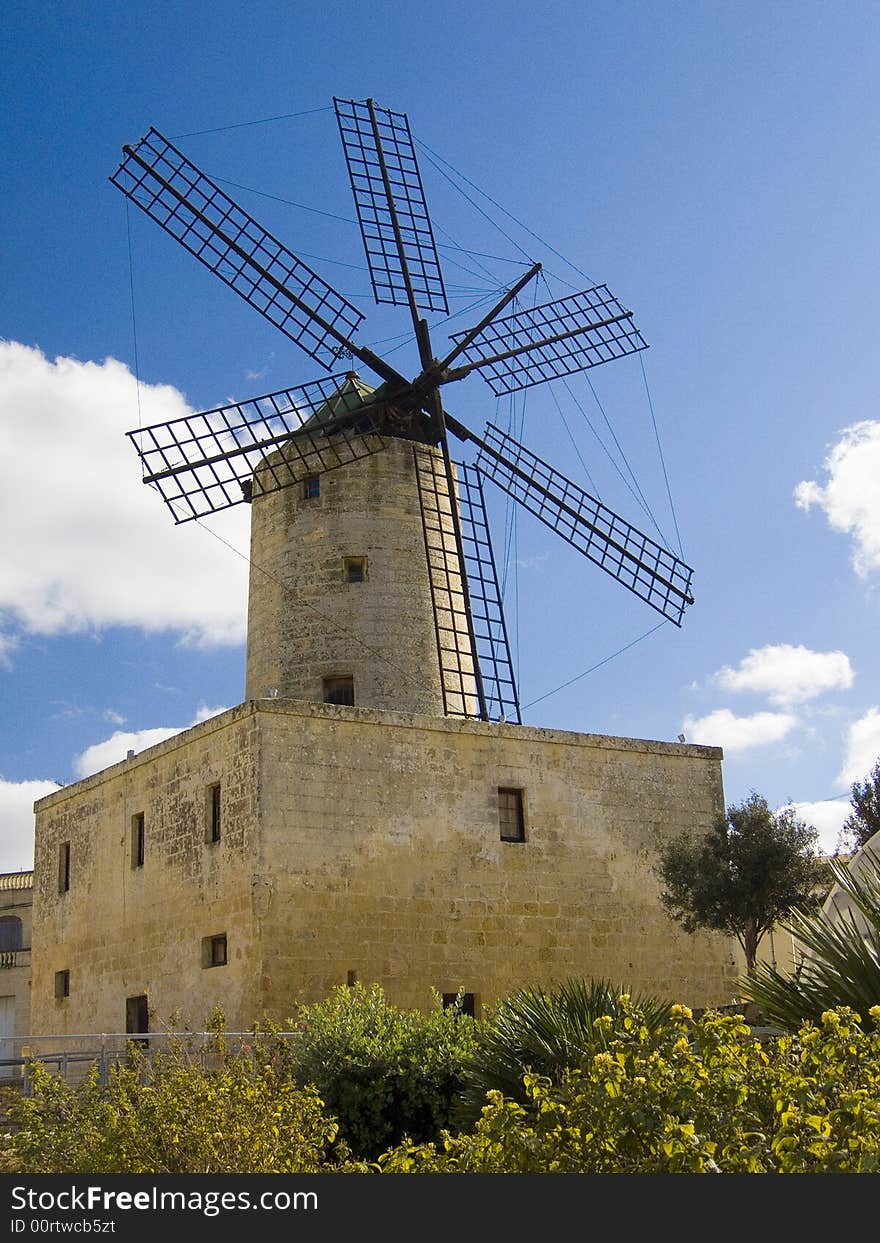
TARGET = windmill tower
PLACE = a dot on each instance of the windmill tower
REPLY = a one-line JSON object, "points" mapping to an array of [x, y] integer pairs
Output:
{"points": [[371, 496]]}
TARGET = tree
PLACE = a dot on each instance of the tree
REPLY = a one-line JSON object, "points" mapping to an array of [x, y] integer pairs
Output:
{"points": [[744, 875], [864, 819]]}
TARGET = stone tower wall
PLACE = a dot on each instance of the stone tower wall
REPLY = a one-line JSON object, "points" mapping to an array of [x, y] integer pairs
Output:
{"points": [[307, 623]]}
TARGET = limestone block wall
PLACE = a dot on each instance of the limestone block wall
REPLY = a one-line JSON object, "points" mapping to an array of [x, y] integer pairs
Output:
{"points": [[122, 930], [307, 623], [384, 858], [363, 843]]}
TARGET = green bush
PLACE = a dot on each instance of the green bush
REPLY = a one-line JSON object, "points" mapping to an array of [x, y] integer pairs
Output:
{"points": [[842, 966], [382, 1072], [691, 1097], [542, 1033], [171, 1116]]}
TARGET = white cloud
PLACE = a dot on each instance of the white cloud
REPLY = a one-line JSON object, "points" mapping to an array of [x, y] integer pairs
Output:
{"points": [[8, 644], [94, 547], [851, 496], [738, 733], [788, 675], [113, 717], [17, 800], [862, 748], [115, 748], [826, 818]]}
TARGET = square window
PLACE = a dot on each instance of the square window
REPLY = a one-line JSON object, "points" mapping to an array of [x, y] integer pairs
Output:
{"points": [[311, 487], [339, 691], [354, 569], [64, 867], [511, 818], [213, 810], [214, 951], [62, 984], [138, 829]]}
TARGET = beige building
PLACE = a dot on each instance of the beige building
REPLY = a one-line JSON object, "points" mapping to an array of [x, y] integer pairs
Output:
{"points": [[337, 826], [16, 902]]}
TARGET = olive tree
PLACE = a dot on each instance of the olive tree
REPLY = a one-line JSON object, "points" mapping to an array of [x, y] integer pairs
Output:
{"points": [[750, 869]]}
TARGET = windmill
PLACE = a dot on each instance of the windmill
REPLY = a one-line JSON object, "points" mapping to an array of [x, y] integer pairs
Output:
{"points": [[250, 450]]}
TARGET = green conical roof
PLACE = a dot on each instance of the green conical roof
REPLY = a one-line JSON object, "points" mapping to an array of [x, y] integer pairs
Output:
{"points": [[353, 392]]}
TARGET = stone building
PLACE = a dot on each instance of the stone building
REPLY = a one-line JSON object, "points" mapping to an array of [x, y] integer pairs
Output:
{"points": [[16, 901], [337, 826]]}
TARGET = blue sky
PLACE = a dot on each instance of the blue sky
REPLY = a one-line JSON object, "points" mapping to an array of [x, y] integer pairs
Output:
{"points": [[713, 163]]}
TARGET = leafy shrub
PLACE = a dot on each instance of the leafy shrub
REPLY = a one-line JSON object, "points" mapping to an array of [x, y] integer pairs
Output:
{"points": [[696, 1097], [842, 966], [171, 1116], [382, 1072], [543, 1033]]}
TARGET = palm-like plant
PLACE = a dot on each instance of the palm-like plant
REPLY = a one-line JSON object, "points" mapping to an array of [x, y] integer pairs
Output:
{"points": [[545, 1032], [841, 963]]}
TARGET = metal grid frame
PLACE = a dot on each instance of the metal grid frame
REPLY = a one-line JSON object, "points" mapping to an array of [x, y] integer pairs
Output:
{"points": [[378, 144], [207, 462], [162, 182], [649, 570], [454, 589], [552, 340]]}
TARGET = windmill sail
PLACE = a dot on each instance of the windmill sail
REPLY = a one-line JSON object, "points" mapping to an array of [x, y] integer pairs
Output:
{"points": [[472, 645], [549, 341], [390, 204], [648, 569], [203, 463], [160, 180]]}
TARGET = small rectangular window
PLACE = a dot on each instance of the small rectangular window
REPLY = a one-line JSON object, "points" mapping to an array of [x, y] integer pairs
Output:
{"points": [[64, 867], [465, 1003], [510, 815], [311, 487], [213, 809], [214, 951], [339, 691], [137, 840], [62, 984], [354, 569], [137, 1014]]}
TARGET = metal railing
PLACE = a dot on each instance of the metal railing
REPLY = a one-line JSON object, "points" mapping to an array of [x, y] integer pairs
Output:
{"points": [[72, 1057]]}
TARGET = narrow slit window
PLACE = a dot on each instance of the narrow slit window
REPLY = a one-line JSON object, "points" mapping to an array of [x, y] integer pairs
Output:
{"points": [[339, 691], [62, 984], [138, 839], [354, 569], [511, 817], [311, 487], [214, 813], [64, 867], [137, 1015]]}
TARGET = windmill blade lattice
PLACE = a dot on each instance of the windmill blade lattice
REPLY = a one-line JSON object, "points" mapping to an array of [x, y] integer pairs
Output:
{"points": [[203, 463], [159, 179], [390, 204], [456, 600], [648, 569], [549, 341]]}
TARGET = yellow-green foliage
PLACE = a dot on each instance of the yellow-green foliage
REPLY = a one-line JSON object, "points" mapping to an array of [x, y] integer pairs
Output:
{"points": [[244, 1114], [695, 1097]]}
